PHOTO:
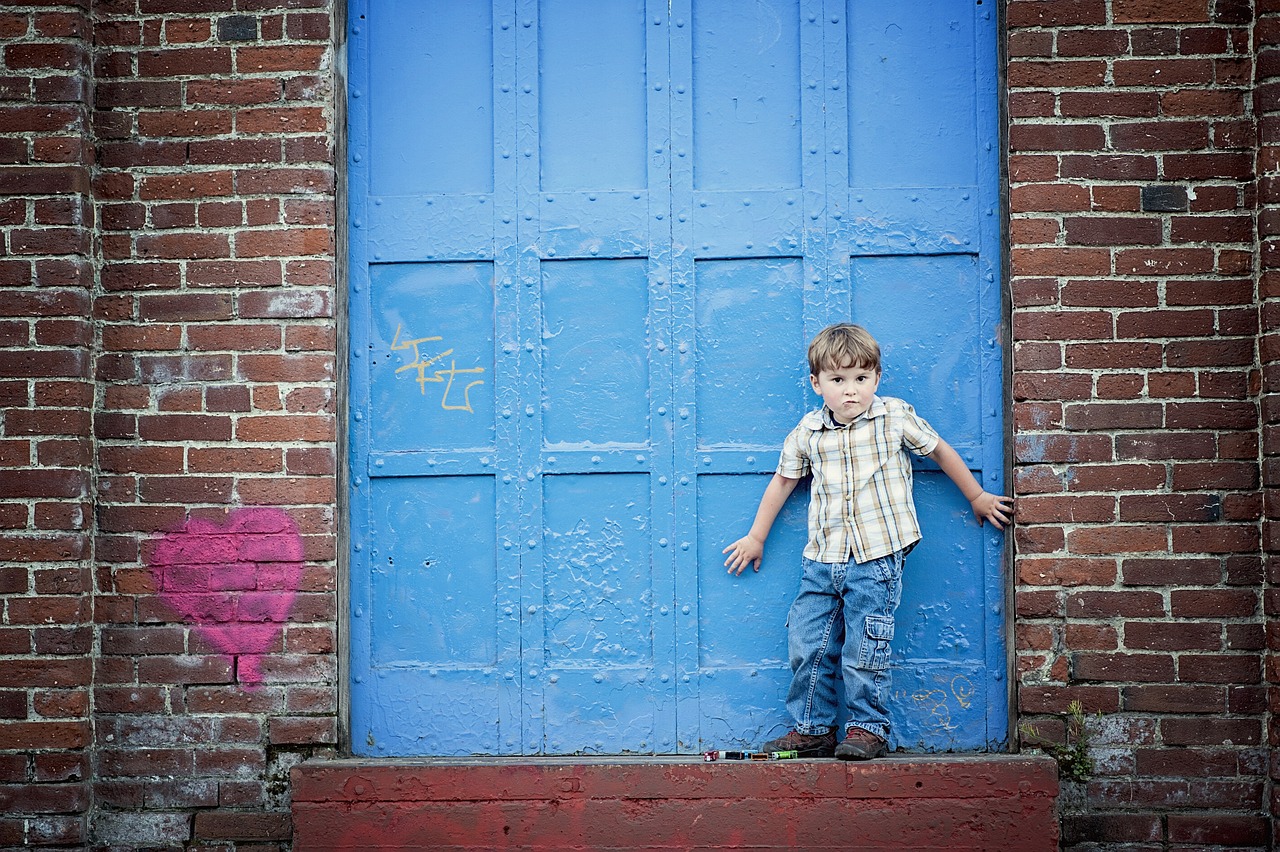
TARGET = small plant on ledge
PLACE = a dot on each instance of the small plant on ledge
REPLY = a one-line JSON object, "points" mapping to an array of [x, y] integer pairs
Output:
{"points": [[1072, 754]]}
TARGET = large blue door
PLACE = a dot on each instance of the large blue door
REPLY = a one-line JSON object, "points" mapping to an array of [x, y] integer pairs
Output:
{"points": [[588, 244]]}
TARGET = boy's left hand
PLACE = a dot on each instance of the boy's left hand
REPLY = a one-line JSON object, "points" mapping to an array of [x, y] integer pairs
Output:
{"points": [[989, 507]]}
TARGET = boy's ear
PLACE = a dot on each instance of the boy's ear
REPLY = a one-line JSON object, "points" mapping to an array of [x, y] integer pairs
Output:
{"points": [[813, 380]]}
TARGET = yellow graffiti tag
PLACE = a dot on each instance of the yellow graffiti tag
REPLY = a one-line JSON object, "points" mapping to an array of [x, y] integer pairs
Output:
{"points": [[443, 376]]}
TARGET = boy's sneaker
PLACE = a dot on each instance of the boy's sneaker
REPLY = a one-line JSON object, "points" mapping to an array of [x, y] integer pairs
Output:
{"points": [[861, 745], [806, 745]]}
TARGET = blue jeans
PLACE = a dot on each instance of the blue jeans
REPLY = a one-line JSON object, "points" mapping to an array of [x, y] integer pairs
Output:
{"points": [[862, 596]]}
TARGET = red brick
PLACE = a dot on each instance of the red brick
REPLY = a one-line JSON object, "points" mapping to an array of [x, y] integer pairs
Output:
{"points": [[1063, 325], [1085, 73], [234, 152], [1172, 508], [1050, 449], [233, 92], [1113, 231], [242, 337], [286, 491], [1064, 508], [1192, 477], [1196, 731], [1174, 699], [1111, 604], [1110, 104], [302, 730], [1059, 137], [1218, 538], [1214, 603], [1098, 416], [1218, 829], [44, 735], [1111, 828], [1205, 166], [1186, 762], [184, 245], [282, 120], [1164, 71], [1120, 538], [284, 243], [191, 185], [1220, 668], [1032, 168], [251, 60], [1210, 292], [1122, 667], [1056, 13], [241, 826], [234, 273], [235, 460], [1066, 571], [187, 489], [1211, 415], [186, 62], [1173, 636], [1115, 477], [1097, 637], [1162, 135], [184, 427], [1052, 386], [1034, 540], [1056, 699]]}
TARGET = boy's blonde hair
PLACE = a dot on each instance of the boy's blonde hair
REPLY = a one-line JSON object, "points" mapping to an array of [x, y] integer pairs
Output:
{"points": [[843, 345]]}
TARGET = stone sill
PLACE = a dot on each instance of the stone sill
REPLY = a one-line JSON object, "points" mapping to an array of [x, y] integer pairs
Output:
{"points": [[951, 802]]}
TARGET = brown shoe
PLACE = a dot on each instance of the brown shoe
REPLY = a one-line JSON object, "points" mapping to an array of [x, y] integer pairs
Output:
{"points": [[861, 745], [806, 745]]}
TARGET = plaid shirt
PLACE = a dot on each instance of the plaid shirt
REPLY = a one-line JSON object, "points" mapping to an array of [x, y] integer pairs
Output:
{"points": [[860, 501]]}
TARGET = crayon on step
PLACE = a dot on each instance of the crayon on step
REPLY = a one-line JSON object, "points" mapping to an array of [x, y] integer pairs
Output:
{"points": [[712, 756]]}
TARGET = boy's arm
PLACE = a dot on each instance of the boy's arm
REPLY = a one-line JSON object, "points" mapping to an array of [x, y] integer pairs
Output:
{"points": [[750, 548], [986, 507]]}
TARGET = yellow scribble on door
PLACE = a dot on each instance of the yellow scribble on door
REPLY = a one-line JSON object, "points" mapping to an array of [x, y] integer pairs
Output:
{"points": [[441, 376]]}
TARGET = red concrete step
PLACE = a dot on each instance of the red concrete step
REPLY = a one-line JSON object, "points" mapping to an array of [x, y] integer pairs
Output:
{"points": [[987, 802]]}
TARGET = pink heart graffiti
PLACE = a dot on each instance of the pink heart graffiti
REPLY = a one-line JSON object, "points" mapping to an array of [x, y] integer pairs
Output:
{"points": [[234, 582]]}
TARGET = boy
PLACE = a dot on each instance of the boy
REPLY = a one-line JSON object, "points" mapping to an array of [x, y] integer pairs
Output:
{"points": [[862, 523]]}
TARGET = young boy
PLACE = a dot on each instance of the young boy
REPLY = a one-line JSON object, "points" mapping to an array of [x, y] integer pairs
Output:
{"points": [[862, 523]]}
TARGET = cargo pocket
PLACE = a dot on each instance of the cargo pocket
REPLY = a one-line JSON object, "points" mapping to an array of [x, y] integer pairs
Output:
{"points": [[874, 655]]}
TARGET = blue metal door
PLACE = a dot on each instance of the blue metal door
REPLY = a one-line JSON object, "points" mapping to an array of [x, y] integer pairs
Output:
{"points": [[588, 244]]}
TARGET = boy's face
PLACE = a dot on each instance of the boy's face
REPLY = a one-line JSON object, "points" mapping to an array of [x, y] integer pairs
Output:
{"points": [[847, 391]]}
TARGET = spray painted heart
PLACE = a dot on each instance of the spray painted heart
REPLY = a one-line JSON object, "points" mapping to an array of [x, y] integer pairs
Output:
{"points": [[234, 582]]}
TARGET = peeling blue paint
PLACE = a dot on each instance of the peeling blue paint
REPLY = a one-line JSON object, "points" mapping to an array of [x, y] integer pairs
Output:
{"points": [[588, 250]]}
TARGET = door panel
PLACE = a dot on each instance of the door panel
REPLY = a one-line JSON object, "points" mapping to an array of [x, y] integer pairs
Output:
{"points": [[589, 242]]}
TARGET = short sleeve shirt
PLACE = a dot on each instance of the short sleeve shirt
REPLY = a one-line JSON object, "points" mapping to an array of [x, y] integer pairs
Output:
{"points": [[860, 501]]}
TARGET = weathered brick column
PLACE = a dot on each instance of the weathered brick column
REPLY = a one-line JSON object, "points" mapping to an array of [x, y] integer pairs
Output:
{"points": [[1136, 416], [1266, 105], [46, 394], [216, 606]]}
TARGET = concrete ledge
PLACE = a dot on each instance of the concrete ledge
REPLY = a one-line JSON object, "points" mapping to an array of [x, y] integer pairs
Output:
{"points": [[1004, 802]]}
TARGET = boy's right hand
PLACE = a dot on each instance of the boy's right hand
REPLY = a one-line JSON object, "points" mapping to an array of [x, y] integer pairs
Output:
{"points": [[743, 552]]}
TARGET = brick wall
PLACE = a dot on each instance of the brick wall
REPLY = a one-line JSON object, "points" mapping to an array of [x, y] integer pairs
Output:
{"points": [[46, 392], [215, 416], [1266, 106], [1136, 451]]}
